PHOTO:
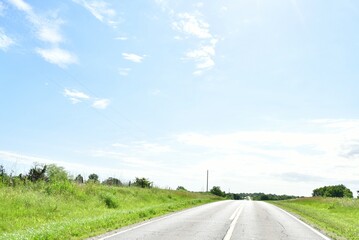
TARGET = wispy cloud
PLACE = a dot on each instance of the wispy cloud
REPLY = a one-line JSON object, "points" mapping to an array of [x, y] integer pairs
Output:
{"points": [[101, 103], [102, 11], [57, 56], [48, 31], [203, 56], [5, 41], [191, 24], [124, 71], [22, 5], [76, 96], [121, 38], [132, 57]]}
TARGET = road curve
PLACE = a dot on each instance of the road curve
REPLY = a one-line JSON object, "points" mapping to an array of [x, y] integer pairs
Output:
{"points": [[227, 220]]}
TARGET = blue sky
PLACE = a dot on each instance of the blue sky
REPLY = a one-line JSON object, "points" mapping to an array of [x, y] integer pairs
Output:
{"points": [[261, 93]]}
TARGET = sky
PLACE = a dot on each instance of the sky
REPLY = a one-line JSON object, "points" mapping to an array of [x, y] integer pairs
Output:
{"points": [[263, 94]]}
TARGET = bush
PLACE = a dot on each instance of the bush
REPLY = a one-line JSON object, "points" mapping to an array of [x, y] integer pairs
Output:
{"points": [[339, 191], [56, 174], [112, 182], [109, 200], [217, 191], [181, 188], [142, 182]]}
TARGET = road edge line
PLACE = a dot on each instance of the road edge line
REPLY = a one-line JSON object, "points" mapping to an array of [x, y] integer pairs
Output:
{"points": [[305, 224], [152, 221]]}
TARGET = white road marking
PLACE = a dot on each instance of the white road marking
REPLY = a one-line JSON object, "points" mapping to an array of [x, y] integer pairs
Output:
{"points": [[234, 213], [151, 221], [143, 224], [233, 223], [311, 228]]}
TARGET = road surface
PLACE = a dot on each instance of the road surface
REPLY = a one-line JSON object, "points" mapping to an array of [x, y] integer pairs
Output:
{"points": [[227, 220]]}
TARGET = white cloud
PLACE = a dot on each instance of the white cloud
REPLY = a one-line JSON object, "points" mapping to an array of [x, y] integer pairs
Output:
{"points": [[75, 96], [132, 57], [5, 41], [101, 103], [21, 5], [203, 56], [325, 153], [101, 10], [192, 25], [57, 56], [121, 38], [48, 31], [124, 71], [47, 28]]}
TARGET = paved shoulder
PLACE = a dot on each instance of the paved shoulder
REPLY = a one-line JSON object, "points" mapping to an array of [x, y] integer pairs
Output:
{"points": [[263, 221], [208, 222], [226, 220]]}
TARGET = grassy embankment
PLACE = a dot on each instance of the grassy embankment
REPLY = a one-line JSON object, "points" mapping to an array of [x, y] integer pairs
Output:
{"points": [[337, 217], [72, 211]]}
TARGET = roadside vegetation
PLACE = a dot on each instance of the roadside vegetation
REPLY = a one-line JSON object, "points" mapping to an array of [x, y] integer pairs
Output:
{"points": [[338, 217], [331, 209], [48, 204]]}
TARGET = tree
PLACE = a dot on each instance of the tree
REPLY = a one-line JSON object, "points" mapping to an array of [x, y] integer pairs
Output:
{"points": [[55, 173], [93, 177], [338, 191], [37, 173], [112, 182], [3, 175], [79, 179], [142, 182], [216, 190], [181, 188]]}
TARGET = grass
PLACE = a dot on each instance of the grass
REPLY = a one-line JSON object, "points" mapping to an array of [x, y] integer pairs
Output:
{"points": [[71, 211], [337, 217]]}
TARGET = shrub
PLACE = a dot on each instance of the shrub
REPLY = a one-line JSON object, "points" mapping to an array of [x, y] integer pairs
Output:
{"points": [[142, 182], [333, 191], [109, 200]]}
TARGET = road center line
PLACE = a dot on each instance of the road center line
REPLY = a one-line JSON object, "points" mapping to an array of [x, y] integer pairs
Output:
{"points": [[234, 214], [233, 223]]}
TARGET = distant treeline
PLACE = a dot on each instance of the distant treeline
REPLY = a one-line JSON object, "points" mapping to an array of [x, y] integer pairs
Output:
{"points": [[260, 196]]}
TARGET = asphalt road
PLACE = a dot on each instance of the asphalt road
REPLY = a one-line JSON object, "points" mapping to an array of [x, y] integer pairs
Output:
{"points": [[221, 220]]}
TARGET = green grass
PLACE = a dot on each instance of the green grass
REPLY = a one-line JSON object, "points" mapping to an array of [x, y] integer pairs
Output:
{"points": [[337, 217], [71, 211]]}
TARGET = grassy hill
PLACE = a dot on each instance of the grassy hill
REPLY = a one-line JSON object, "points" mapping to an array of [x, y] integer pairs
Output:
{"points": [[338, 217], [67, 210]]}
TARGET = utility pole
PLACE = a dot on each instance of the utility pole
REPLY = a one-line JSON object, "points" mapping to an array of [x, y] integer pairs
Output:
{"points": [[207, 182]]}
